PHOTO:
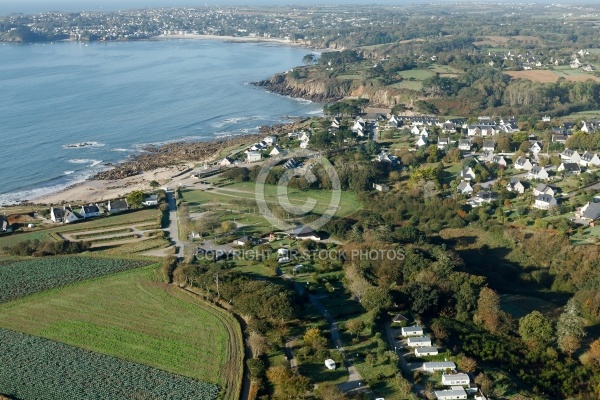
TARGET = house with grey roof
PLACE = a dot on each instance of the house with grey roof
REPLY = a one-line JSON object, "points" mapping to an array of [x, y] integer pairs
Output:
{"points": [[421, 341], [443, 143], [454, 393], [523, 163], [569, 168], [589, 159], [90, 211], [457, 378], [464, 187], [590, 211], [516, 186], [411, 331], [467, 174], [545, 202], [570, 155], [464, 145], [438, 366], [426, 351], [5, 225], [542, 188], [538, 172], [117, 206], [489, 145]]}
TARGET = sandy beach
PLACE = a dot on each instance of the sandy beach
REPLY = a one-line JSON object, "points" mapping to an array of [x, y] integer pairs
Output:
{"points": [[247, 39], [94, 191]]}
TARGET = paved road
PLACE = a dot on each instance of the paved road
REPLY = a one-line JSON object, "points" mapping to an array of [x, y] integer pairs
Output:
{"points": [[173, 227]]}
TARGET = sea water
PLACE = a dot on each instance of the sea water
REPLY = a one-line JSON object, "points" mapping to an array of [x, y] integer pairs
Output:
{"points": [[67, 108]]}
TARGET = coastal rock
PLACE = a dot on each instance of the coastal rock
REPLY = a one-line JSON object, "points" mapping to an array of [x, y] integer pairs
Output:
{"points": [[328, 90], [314, 90]]}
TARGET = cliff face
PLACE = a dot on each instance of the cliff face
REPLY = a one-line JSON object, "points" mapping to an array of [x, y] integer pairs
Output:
{"points": [[328, 90], [315, 90]]}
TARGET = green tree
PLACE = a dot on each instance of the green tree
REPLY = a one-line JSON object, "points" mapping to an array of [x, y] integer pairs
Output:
{"points": [[134, 199], [154, 184], [570, 327], [536, 329], [308, 59]]}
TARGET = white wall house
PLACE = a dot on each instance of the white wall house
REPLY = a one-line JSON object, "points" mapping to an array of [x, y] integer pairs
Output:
{"points": [[589, 159], [426, 351], [253, 156], [454, 393], [438, 366], [411, 331], [544, 202], [523, 163], [455, 379], [421, 341]]}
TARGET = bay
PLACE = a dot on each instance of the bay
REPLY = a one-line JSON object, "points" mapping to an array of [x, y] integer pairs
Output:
{"points": [[118, 97]]}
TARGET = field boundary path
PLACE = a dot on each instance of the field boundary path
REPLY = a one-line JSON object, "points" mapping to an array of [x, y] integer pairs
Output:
{"points": [[236, 384], [173, 227]]}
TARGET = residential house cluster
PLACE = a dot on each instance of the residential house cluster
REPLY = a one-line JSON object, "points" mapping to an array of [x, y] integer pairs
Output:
{"points": [[254, 153]]}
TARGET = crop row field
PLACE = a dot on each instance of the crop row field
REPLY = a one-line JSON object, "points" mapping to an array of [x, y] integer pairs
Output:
{"points": [[134, 317], [40, 369], [22, 278], [113, 222]]}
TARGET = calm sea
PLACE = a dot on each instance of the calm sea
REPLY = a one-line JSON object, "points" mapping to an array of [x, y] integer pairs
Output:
{"points": [[118, 97]]}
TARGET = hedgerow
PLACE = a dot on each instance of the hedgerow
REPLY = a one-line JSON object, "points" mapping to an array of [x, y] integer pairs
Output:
{"points": [[34, 368], [18, 279]]}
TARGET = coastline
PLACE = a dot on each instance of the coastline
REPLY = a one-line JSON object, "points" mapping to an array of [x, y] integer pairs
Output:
{"points": [[233, 39], [163, 164]]}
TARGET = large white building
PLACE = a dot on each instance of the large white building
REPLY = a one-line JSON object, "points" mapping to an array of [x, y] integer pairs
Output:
{"points": [[455, 392], [455, 379], [421, 341], [412, 331]]}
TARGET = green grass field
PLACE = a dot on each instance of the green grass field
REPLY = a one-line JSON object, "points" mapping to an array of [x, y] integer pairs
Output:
{"points": [[134, 317], [230, 197]]}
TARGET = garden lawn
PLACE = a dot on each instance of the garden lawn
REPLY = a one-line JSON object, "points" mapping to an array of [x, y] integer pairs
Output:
{"points": [[133, 317]]}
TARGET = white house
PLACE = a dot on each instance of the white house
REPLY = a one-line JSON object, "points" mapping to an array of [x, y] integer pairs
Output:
{"points": [[4, 225], [415, 130], [150, 200], [116, 206], [411, 331], [64, 215], [438, 366], [542, 188], [270, 140], [454, 393], [464, 144], [422, 141], [590, 211], [464, 187], [226, 162], [544, 202], [426, 351], [535, 147], [424, 132], [57, 214], [538, 172], [589, 159], [381, 187], [455, 379], [305, 233], [523, 163], [570, 155], [277, 151], [489, 145], [467, 174], [570, 168], [90, 211], [330, 364], [421, 341], [443, 143], [253, 156], [515, 185]]}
